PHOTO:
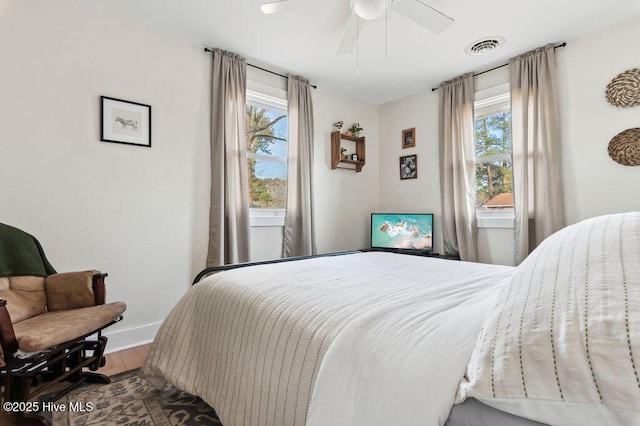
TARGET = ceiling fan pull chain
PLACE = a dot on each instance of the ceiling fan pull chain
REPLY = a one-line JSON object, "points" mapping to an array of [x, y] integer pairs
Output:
{"points": [[357, 45], [386, 30]]}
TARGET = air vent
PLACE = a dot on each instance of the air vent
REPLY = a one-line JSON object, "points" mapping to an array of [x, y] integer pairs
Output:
{"points": [[485, 46]]}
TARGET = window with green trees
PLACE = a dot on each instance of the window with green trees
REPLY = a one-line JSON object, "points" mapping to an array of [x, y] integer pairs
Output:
{"points": [[494, 180], [266, 124]]}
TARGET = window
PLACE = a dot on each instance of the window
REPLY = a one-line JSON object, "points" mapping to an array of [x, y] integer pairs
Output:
{"points": [[494, 178], [266, 123]]}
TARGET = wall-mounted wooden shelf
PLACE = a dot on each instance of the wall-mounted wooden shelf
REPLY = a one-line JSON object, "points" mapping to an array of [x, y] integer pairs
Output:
{"points": [[337, 162]]}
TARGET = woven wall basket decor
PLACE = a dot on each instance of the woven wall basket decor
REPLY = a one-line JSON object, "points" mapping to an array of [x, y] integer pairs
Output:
{"points": [[624, 147], [624, 89]]}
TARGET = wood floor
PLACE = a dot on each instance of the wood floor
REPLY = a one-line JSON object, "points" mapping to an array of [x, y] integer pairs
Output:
{"points": [[118, 362]]}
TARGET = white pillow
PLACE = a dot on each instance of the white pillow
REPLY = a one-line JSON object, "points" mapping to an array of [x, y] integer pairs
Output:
{"points": [[561, 343]]}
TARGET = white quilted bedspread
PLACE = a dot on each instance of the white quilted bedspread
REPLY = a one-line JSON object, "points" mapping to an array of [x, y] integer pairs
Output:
{"points": [[362, 339]]}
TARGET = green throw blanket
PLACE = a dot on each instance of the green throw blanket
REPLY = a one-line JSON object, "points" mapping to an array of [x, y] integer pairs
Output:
{"points": [[21, 254]]}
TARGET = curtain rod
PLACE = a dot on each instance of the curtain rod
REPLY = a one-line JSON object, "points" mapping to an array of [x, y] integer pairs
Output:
{"points": [[433, 89], [206, 49]]}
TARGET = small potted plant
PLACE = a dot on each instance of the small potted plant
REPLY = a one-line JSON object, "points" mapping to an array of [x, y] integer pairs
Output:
{"points": [[355, 129], [343, 153], [338, 125]]}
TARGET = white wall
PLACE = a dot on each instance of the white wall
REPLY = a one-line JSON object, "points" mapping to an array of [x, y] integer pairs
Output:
{"points": [[139, 214], [4, 5], [423, 193], [343, 199], [126, 210], [594, 184]]}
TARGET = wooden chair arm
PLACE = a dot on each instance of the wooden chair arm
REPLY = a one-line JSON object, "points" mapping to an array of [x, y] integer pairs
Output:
{"points": [[7, 334], [99, 289]]}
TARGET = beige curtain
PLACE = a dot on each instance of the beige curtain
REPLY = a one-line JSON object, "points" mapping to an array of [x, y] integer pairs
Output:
{"points": [[299, 236], [229, 212], [457, 167], [537, 175]]}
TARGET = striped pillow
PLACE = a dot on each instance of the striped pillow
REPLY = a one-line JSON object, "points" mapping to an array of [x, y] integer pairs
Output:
{"points": [[561, 344]]}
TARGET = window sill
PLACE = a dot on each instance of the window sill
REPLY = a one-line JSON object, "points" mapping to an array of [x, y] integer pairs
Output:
{"points": [[498, 219], [266, 217]]}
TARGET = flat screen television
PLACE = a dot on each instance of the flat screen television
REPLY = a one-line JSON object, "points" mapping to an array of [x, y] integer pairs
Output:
{"points": [[402, 231]]}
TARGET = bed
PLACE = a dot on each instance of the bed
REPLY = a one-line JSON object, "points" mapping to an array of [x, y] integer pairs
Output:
{"points": [[390, 339]]}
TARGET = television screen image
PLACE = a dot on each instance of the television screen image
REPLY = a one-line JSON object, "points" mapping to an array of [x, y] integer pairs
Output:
{"points": [[402, 231]]}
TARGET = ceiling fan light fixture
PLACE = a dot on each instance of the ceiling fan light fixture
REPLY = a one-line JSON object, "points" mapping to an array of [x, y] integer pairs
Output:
{"points": [[484, 46], [268, 8], [368, 9]]}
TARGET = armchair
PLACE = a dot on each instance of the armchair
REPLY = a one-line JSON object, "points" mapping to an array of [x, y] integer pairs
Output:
{"points": [[46, 320]]}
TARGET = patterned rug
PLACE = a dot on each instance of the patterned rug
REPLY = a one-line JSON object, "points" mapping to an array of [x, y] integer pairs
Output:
{"points": [[129, 400]]}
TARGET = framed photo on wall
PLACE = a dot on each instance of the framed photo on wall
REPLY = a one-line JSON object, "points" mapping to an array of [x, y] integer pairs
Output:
{"points": [[409, 138], [125, 122], [409, 167]]}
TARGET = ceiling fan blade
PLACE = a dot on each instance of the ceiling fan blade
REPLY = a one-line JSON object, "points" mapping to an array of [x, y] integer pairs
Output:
{"points": [[350, 35], [284, 5], [423, 15]]}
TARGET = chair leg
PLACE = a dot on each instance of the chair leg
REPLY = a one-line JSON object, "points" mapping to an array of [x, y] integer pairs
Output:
{"points": [[98, 354], [8, 382], [16, 388]]}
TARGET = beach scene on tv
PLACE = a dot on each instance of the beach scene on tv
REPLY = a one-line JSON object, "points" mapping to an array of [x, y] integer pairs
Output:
{"points": [[410, 231]]}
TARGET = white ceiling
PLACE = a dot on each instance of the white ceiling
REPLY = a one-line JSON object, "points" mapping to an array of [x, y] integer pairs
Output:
{"points": [[303, 41]]}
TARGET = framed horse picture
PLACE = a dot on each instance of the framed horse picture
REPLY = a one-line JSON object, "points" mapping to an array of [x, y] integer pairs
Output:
{"points": [[125, 122]]}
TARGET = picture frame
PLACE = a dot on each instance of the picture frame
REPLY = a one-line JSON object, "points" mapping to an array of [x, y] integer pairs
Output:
{"points": [[354, 157], [409, 167], [125, 122], [409, 138]]}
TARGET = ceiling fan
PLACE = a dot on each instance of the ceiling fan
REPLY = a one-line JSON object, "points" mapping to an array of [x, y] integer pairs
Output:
{"points": [[366, 10]]}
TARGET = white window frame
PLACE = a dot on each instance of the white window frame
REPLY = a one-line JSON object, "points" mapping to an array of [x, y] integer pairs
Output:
{"points": [[273, 99], [487, 101]]}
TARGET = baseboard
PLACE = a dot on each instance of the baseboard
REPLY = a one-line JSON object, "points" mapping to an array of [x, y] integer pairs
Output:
{"points": [[124, 339]]}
